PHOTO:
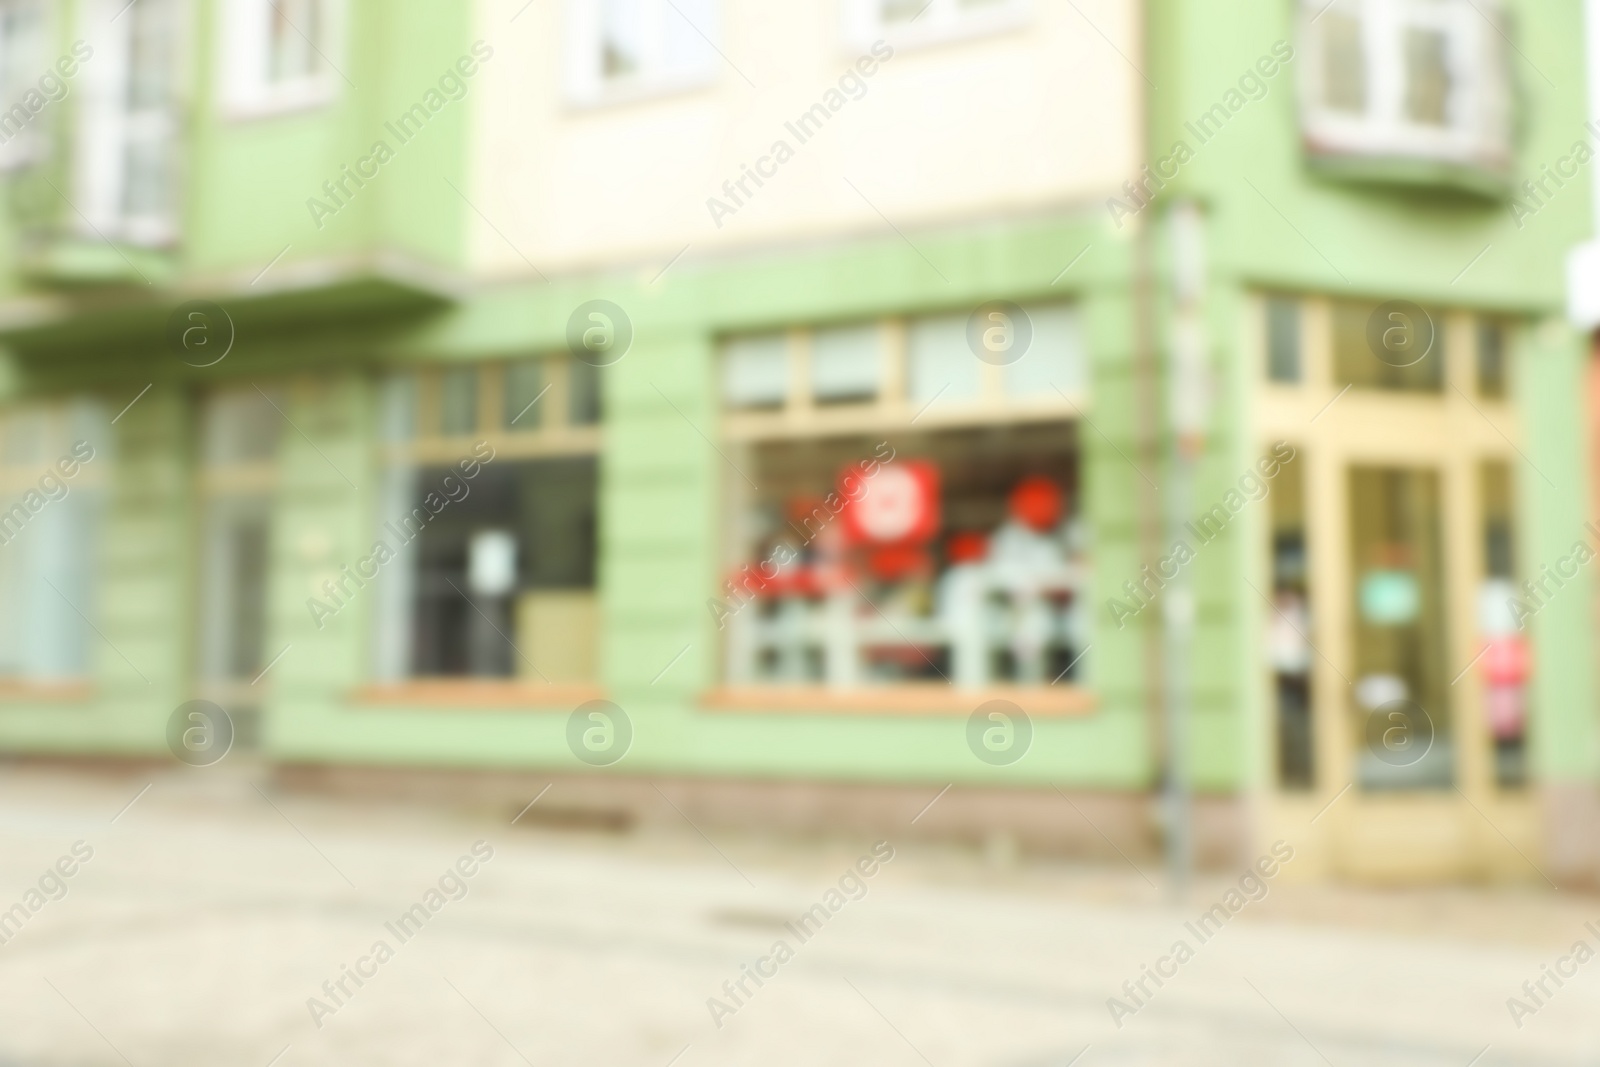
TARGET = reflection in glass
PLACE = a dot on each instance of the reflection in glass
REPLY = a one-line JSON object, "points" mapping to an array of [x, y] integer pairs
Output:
{"points": [[1399, 613]]}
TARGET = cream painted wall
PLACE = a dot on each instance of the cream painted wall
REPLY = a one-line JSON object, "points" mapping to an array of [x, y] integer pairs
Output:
{"points": [[1043, 113]]}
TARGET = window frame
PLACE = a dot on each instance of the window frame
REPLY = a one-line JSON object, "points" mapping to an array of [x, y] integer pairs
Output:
{"points": [[59, 420], [29, 145], [939, 22], [236, 482], [800, 418], [800, 414], [106, 126], [246, 90], [1479, 137], [389, 673], [586, 84]]}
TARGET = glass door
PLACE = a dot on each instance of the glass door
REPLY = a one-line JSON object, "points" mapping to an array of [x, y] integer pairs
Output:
{"points": [[1400, 688]]}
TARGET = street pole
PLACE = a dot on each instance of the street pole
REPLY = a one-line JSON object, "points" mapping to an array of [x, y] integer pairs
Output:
{"points": [[1188, 388]]}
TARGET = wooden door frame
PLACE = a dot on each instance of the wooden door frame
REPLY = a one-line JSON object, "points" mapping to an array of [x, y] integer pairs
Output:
{"points": [[1476, 829]]}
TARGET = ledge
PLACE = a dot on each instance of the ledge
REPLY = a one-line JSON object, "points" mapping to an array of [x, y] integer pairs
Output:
{"points": [[18, 691], [471, 694], [1038, 701], [1485, 182]]}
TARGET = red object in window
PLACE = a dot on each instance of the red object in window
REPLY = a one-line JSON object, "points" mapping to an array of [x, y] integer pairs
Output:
{"points": [[899, 505], [1506, 661], [891, 563], [1036, 503], [968, 546]]}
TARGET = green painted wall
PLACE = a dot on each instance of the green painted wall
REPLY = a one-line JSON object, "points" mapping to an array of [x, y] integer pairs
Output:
{"points": [[1269, 223]]}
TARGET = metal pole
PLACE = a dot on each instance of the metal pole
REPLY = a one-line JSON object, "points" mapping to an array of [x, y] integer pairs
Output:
{"points": [[1188, 389]]}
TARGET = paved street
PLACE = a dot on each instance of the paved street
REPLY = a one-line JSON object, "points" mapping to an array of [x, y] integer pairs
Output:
{"points": [[209, 913]]}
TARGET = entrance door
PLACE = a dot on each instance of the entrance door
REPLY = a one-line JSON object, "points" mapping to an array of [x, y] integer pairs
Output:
{"points": [[1398, 611], [1395, 680], [240, 432]]}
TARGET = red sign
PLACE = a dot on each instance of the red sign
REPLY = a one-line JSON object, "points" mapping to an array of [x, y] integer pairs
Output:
{"points": [[898, 505]]}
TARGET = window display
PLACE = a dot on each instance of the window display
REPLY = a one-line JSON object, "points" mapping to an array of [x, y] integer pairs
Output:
{"points": [[957, 556]]}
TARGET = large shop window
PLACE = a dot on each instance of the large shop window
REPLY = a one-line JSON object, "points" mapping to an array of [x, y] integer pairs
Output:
{"points": [[54, 460], [903, 511], [490, 501], [1406, 79]]}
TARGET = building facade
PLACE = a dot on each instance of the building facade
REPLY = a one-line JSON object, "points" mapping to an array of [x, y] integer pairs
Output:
{"points": [[1045, 401]]}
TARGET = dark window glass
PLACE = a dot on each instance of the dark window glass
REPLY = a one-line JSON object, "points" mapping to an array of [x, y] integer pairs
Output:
{"points": [[1491, 360], [1289, 628], [583, 393], [507, 572], [458, 401], [1283, 339], [524, 384]]}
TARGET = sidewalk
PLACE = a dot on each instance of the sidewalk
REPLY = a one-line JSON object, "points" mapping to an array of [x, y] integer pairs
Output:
{"points": [[210, 913]]}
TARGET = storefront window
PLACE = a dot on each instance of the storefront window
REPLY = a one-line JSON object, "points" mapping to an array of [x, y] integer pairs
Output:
{"points": [[1289, 638], [1505, 660], [933, 532], [54, 464], [491, 507]]}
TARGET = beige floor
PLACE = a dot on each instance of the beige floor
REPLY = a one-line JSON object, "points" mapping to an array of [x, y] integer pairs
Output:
{"points": [[207, 917]]}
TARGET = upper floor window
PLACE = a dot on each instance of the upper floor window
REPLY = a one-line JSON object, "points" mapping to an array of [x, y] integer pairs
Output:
{"points": [[913, 21], [278, 54], [125, 159], [621, 47], [1406, 79], [21, 65]]}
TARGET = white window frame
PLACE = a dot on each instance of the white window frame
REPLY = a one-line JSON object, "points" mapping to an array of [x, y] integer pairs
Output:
{"points": [[938, 22], [105, 127], [29, 144], [244, 39], [1479, 130], [587, 83]]}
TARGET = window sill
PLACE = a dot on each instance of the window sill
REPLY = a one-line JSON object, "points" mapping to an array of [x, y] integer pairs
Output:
{"points": [[910, 37], [467, 693], [1038, 701], [289, 100], [638, 90], [20, 691], [1484, 179]]}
